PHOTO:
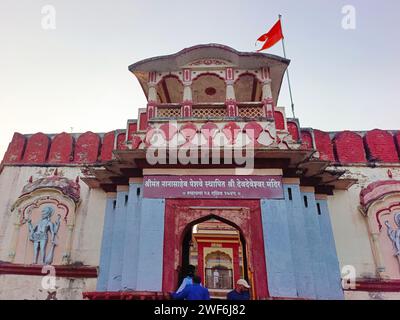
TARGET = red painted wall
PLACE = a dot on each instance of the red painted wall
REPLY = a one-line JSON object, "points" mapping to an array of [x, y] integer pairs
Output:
{"points": [[397, 141], [121, 141], [380, 146], [87, 148], [293, 130], [143, 121], [37, 148], [61, 150], [279, 120], [306, 140], [132, 128], [15, 149], [346, 147], [349, 147], [324, 145], [108, 146]]}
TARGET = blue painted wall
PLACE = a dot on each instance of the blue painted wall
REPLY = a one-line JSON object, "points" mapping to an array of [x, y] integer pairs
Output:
{"points": [[329, 253], [315, 245], [117, 245], [299, 243], [151, 245], [132, 236], [132, 247], [106, 243], [280, 267], [300, 250]]}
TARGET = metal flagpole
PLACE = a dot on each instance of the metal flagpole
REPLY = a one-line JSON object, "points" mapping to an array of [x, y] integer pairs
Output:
{"points": [[287, 70]]}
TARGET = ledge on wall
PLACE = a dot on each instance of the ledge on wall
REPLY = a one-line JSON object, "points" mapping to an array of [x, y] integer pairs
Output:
{"points": [[126, 295], [376, 285], [69, 271]]}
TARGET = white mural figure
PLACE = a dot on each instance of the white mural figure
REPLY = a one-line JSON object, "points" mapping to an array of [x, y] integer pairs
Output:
{"points": [[39, 236], [394, 234]]}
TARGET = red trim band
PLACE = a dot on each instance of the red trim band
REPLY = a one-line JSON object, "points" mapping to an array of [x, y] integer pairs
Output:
{"points": [[377, 286], [61, 271], [132, 295]]}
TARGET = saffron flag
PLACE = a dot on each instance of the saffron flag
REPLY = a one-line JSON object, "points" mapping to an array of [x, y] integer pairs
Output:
{"points": [[272, 36]]}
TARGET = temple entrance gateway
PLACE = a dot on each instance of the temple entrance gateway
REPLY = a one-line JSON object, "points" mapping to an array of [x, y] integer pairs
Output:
{"points": [[222, 238], [217, 250]]}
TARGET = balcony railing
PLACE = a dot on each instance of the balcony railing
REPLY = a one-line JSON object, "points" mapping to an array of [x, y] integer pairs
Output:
{"points": [[251, 110]]}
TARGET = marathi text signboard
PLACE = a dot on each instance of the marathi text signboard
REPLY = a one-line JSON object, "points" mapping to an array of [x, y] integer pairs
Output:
{"points": [[213, 187]]}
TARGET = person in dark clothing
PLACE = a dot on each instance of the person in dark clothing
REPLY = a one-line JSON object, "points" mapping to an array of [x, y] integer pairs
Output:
{"points": [[188, 280], [241, 292], [193, 291]]}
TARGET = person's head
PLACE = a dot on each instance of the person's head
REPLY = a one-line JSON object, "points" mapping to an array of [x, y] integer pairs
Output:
{"points": [[242, 285], [190, 269], [196, 280]]}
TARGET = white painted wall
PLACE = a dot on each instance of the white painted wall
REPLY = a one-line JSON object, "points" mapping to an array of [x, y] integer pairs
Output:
{"points": [[350, 226], [19, 287], [86, 242]]}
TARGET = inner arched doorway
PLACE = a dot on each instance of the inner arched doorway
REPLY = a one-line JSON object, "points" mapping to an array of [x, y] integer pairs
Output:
{"points": [[245, 215], [217, 249]]}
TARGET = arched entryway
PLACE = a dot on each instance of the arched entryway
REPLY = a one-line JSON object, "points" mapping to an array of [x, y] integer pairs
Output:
{"points": [[244, 215], [217, 249]]}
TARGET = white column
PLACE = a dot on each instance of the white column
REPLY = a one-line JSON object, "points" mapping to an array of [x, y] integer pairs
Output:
{"points": [[266, 89], [187, 101], [152, 96], [230, 90], [267, 100], [152, 101], [187, 91], [230, 102]]}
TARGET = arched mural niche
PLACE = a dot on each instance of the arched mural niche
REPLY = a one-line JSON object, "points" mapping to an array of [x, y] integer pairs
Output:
{"points": [[44, 220], [380, 204]]}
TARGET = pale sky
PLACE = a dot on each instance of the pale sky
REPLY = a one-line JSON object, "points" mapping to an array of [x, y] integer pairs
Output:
{"points": [[76, 76]]}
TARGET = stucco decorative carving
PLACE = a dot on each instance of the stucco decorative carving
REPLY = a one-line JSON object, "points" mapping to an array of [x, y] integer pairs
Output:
{"points": [[209, 62], [380, 204], [66, 186], [44, 219], [377, 190]]}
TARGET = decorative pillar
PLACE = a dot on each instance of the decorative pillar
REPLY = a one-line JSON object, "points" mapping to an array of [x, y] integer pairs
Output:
{"points": [[267, 100], [200, 262], [187, 101], [14, 240], [268, 108], [230, 102], [231, 108], [152, 96], [380, 267], [376, 250], [68, 245], [236, 268], [186, 109], [151, 109]]}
